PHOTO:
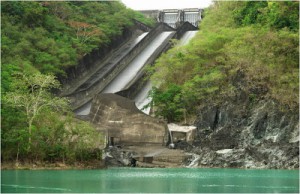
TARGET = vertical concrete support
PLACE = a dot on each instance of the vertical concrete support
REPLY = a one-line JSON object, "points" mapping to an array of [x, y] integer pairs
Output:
{"points": [[200, 14], [178, 19], [181, 13], [160, 17]]}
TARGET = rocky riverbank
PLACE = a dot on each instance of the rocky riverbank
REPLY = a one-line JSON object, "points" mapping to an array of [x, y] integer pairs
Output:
{"points": [[146, 156], [234, 135], [95, 164]]}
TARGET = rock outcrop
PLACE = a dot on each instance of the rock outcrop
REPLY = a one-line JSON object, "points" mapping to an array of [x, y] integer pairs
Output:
{"points": [[247, 135]]}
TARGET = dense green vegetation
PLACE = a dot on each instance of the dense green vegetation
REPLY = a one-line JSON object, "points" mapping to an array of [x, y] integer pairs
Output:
{"points": [[38, 125], [39, 41], [52, 36], [250, 47]]}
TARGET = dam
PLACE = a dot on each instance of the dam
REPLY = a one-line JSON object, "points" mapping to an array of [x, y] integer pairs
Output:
{"points": [[111, 93]]}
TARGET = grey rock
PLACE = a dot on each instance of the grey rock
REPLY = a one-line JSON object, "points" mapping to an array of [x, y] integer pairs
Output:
{"points": [[244, 135]]}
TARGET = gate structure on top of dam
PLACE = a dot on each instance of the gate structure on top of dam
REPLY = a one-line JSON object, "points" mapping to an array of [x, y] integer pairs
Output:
{"points": [[175, 17]]}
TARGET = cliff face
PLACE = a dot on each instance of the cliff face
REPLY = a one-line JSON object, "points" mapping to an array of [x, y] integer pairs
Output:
{"points": [[241, 133]]}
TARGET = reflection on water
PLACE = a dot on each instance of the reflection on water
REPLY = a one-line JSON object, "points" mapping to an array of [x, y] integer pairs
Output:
{"points": [[137, 180]]}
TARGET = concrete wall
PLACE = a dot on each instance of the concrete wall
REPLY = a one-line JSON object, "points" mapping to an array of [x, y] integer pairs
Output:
{"points": [[82, 97], [150, 13], [142, 26], [118, 117]]}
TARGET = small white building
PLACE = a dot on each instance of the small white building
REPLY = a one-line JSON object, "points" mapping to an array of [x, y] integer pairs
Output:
{"points": [[181, 133]]}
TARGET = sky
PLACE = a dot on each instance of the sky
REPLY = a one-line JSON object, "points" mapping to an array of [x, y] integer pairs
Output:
{"points": [[166, 4]]}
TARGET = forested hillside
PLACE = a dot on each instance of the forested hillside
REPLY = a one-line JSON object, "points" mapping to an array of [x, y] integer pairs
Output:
{"points": [[243, 48], [39, 41], [52, 36]]}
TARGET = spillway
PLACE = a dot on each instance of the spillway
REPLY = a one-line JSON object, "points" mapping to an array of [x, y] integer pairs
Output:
{"points": [[131, 71], [187, 37], [84, 110], [118, 55], [142, 98]]}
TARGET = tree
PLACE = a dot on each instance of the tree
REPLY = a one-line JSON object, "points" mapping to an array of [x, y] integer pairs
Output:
{"points": [[32, 95], [169, 104], [84, 31]]}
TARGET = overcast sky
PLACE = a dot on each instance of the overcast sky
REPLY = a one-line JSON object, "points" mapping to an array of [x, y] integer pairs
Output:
{"points": [[165, 4]]}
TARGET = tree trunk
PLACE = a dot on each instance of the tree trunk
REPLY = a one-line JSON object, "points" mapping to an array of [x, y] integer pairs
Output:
{"points": [[29, 135], [17, 159]]}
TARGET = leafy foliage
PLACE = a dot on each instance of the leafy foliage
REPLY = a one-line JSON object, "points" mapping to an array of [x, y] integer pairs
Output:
{"points": [[277, 15], [254, 48], [33, 126], [31, 95], [168, 103]]}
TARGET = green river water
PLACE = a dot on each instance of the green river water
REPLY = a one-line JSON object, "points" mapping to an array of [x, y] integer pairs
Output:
{"points": [[155, 180]]}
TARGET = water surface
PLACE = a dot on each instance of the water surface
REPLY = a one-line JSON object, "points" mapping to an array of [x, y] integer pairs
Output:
{"points": [[157, 180]]}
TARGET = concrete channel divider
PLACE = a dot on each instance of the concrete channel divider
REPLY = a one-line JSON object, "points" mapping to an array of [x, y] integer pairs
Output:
{"points": [[80, 98]]}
